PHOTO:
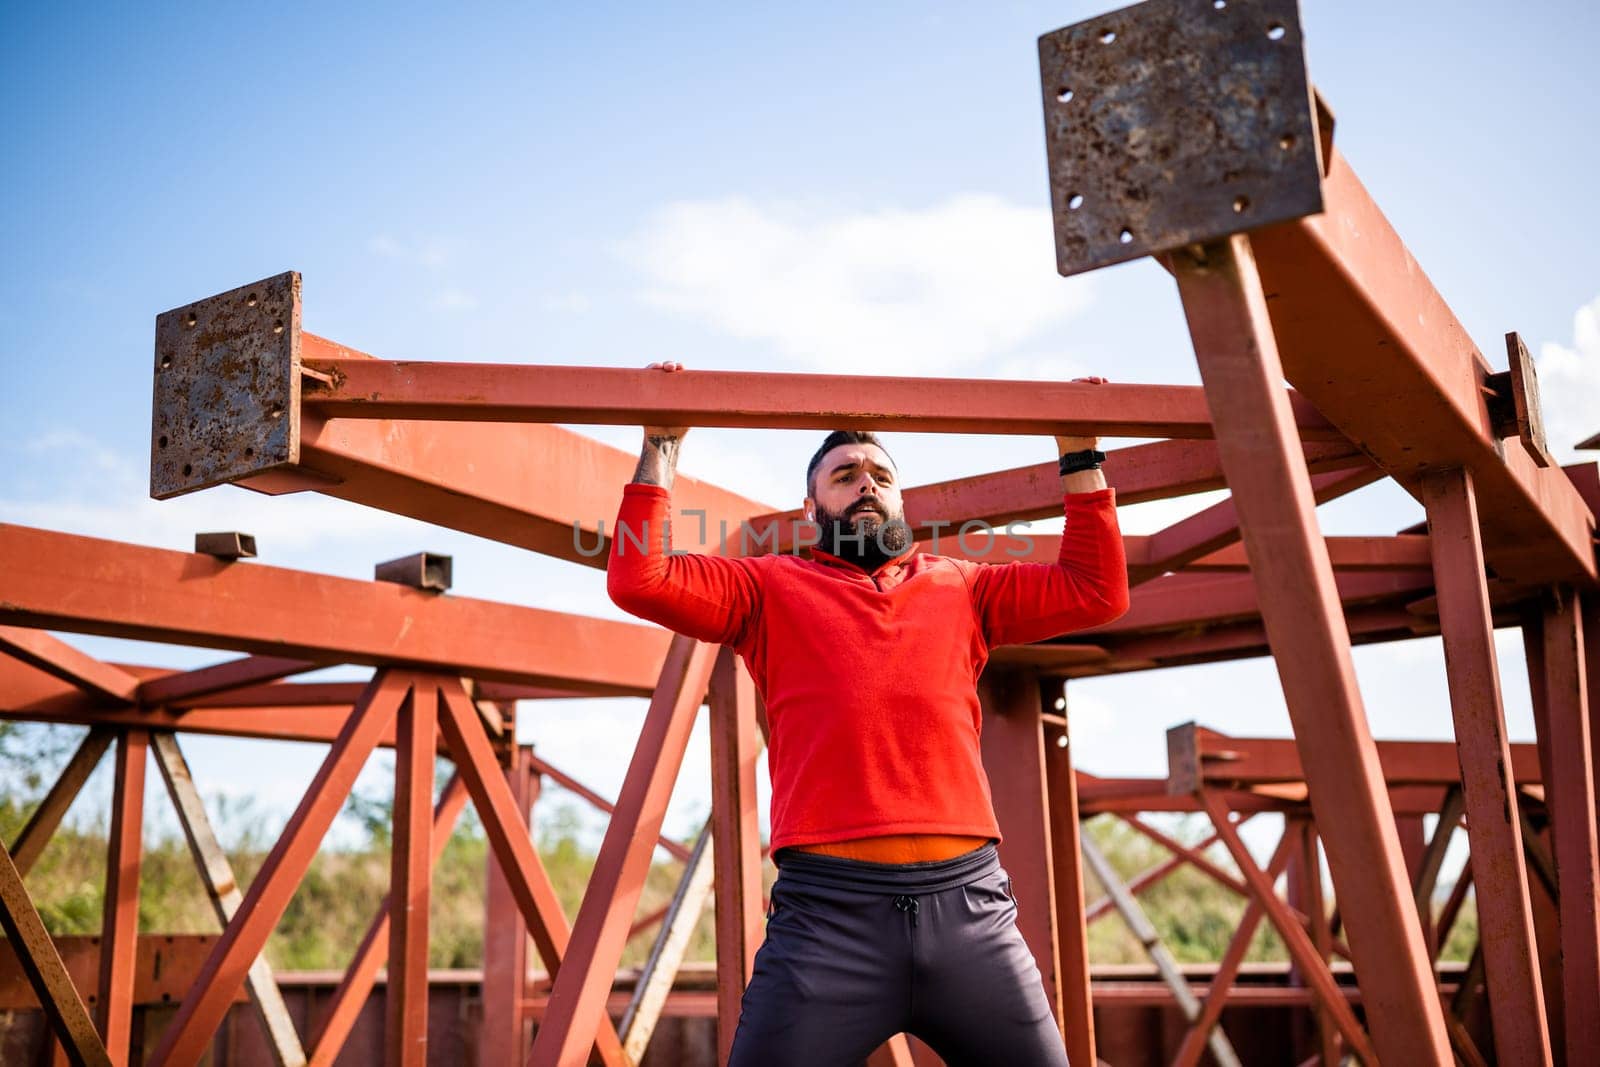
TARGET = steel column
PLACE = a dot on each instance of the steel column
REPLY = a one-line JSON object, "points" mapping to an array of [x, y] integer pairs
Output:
{"points": [[1066, 853], [406, 999], [1516, 996], [1012, 744], [119, 927], [1239, 364], [1569, 794], [578, 996], [736, 838]]}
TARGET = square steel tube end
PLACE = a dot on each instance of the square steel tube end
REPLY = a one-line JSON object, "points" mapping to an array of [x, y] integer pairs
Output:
{"points": [[1184, 776], [429, 571], [1176, 122], [226, 402]]}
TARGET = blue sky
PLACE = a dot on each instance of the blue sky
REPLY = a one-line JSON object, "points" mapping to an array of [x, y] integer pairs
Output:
{"points": [[835, 187]]}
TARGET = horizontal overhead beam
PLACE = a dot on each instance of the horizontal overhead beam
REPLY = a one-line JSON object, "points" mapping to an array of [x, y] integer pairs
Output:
{"points": [[1160, 470], [1404, 552], [1244, 639], [1366, 337], [488, 392], [189, 686], [1198, 757], [86, 585], [1180, 600]]}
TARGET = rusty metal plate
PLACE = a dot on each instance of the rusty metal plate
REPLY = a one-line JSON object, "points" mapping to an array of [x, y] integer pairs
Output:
{"points": [[227, 387], [1525, 397], [1175, 122]]}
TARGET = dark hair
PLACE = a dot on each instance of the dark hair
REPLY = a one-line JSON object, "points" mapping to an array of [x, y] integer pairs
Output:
{"points": [[833, 441]]}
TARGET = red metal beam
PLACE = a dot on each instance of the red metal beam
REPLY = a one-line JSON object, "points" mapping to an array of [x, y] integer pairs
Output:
{"points": [[1011, 740], [1238, 358], [505, 955], [1159, 470], [1197, 754], [1157, 873], [477, 478], [1295, 938], [1402, 552], [183, 598], [119, 924], [1569, 795], [1217, 526], [1186, 600], [406, 999], [191, 1030], [56, 657], [735, 839], [189, 686], [1066, 856], [1213, 643], [1410, 387], [1199, 1031], [1488, 779], [577, 1000], [488, 392], [566, 781], [509, 837], [37, 831]]}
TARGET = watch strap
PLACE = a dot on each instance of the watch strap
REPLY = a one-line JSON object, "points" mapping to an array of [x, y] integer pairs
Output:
{"points": [[1087, 459]]}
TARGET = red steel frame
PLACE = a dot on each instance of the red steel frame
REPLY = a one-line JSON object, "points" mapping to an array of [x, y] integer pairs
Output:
{"points": [[1385, 385]]}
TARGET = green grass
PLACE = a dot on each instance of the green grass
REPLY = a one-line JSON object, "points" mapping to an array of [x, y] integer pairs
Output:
{"points": [[342, 890]]}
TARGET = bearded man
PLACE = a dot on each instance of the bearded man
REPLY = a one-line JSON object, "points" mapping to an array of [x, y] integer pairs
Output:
{"points": [[891, 912]]}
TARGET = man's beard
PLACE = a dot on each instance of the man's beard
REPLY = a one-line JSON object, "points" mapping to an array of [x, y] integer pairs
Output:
{"points": [[868, 539]]}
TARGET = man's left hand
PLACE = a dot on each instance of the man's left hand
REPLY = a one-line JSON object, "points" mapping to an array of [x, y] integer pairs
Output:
{"points": [[1078, 444]]}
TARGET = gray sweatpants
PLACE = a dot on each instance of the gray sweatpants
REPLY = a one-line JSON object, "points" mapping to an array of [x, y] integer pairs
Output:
{"points": [[857, 952]]}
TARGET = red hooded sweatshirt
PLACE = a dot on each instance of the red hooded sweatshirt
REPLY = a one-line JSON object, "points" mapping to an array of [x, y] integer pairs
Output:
{"points": [[870, 679]]}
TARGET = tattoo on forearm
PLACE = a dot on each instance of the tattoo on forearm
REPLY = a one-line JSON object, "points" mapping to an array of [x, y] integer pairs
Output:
{"points": [[658, 461]]}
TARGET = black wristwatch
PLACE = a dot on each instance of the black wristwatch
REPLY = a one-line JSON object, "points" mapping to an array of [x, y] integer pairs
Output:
{"points": [[1088, 459]]}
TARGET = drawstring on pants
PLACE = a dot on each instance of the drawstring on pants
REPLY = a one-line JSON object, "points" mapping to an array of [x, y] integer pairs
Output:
{"points": [[907, 903]]}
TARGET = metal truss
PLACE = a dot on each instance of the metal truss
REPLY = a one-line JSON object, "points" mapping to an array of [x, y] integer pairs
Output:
{"points": [[1287, 272]]}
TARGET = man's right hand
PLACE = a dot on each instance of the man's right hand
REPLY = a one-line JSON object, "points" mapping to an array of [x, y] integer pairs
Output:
{"points": [[669, 367]]}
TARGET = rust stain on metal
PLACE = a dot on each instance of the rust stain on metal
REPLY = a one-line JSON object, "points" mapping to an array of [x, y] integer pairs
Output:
{"points": [[227, 387], [1176, 122]]}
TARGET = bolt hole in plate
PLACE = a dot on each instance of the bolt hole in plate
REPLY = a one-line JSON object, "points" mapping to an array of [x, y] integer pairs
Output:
{"points": [[227, 387], [1186, 121]]}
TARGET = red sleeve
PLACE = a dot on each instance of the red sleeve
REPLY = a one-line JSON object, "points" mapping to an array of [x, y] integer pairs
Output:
{"points": [[710, 598], [1087, 585]]}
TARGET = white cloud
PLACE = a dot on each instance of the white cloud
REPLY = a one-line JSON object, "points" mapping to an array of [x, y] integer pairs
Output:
{"points": [[890, 292], [418, 253], [1569, 385]]}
